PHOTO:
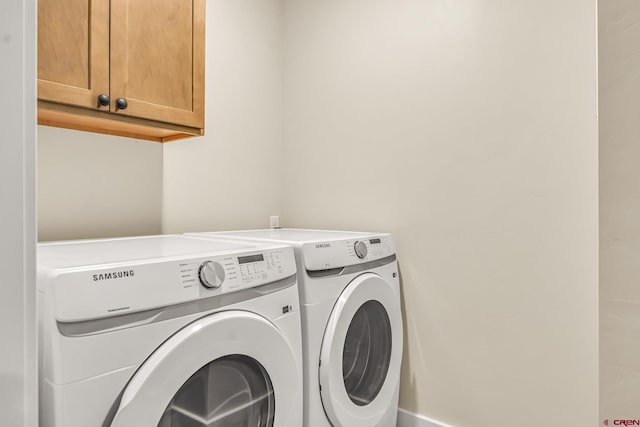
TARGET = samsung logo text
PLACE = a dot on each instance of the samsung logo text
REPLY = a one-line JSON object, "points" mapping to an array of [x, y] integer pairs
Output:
{"points": [[114, 275]]}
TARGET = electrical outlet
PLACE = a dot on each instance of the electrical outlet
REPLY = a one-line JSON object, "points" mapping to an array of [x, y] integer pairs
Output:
{"points": [[274, 221]]}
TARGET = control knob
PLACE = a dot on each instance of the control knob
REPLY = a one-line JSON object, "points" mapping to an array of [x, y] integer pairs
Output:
{"points": [[361, 249], [211, 274]]}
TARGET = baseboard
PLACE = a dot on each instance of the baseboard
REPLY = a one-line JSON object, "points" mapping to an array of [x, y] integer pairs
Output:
{"points": [[407, 419]]}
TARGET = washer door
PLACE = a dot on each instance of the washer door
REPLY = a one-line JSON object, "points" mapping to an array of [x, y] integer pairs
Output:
{"points": [[361, 353], [231, 369]]}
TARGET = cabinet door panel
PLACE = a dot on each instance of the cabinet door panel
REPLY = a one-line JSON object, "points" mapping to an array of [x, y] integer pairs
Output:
{"points": [[73, 51], [157, 59]]}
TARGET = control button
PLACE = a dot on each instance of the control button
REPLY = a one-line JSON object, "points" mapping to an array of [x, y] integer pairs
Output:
{"points": [[211, 274], [361, 249]]}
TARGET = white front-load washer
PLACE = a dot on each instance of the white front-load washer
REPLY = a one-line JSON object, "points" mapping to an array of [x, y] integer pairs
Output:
{"points": [[168, 331], [351, 324]]}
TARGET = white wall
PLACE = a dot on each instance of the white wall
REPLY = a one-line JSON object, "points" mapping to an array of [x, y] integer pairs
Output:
{"points": [[18, 376], [619, 38], [93, 185], [468, 130], [231, 178]]}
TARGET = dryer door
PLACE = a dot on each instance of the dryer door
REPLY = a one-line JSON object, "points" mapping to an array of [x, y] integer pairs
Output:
{"points": [[228, 369], [361, 353]]}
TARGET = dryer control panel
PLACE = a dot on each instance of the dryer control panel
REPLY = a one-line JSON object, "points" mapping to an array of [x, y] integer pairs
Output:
{"points": [[89, 293], [345, 252]]}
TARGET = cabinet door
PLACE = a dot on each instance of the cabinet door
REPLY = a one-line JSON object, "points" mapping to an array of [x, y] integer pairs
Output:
{"points": [[73, 51], [157, 59]]}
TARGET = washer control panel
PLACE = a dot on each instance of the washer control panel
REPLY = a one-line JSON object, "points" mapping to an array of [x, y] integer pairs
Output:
{"points": [[234, 272], [114, 289]]}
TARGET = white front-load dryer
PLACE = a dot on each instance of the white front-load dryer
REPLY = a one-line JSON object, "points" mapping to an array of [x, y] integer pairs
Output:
{"points": [[351, 323], [168, 331]]}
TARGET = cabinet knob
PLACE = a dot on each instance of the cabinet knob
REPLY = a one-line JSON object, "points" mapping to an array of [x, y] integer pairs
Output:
{"points": [[103, 100], [121, 104]]}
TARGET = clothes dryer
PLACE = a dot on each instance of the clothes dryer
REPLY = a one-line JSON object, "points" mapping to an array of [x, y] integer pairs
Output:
{"points": [[168, 331], [351, 323]]}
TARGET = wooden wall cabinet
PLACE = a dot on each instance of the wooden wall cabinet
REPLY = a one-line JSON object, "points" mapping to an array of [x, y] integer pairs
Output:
{"points": [[122, 67]]}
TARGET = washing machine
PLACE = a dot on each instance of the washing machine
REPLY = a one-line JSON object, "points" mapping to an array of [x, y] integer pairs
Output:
{"points": [[351, 323], [168, 331]]}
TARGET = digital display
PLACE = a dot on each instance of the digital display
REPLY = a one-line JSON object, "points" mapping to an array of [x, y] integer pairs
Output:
{"points": [[373, 241], [250, 258]]}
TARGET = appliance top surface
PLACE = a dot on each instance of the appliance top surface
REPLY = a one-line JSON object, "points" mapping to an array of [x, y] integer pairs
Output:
{"points": [[79, 253], [293, 235]]}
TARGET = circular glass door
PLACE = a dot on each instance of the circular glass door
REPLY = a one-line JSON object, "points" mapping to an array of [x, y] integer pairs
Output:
{"points": [[361, 353], [223, 370], [233, 391], [367, 353]]}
